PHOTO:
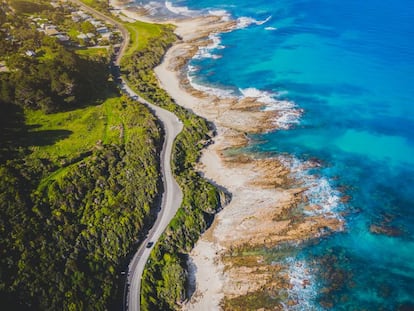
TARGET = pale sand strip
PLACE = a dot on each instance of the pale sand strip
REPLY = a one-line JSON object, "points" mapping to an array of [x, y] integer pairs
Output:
{"points": [[230, 224], [258, 200]]}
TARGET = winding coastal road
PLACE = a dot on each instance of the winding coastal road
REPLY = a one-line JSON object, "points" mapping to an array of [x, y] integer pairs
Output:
{"points": [[172, 196], [112, 21], [171, 200]]}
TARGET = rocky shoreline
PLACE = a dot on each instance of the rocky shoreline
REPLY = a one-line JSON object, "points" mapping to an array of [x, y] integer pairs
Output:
{"points": [[267, 209]]}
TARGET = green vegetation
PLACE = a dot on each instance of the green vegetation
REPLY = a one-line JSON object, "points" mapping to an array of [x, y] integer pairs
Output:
{"points": [[87, 126], [141, 33], [67, 229], [55, 79], [79, 177], [164, 280], [30, 6], [100, 5], [93, 52]]}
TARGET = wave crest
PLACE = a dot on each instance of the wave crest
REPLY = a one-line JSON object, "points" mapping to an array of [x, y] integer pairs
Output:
{"points": [[303, 287], [180, 10], [288, 113], [243, 22], [320, 193]]}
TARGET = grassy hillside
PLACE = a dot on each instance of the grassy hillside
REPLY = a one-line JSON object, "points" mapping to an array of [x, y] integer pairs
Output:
{"points": [[79, 178], [73, 207], [141, 34]]}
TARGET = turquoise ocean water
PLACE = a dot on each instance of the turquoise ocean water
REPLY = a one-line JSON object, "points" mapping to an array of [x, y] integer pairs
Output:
{"points": [[342, 75]]}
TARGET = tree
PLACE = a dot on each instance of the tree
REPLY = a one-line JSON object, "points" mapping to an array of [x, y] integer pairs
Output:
{"points": [[87, 27]]}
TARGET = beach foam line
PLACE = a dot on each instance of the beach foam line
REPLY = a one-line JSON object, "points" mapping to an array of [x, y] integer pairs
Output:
{"points": [[222, 13], [219, 92], [153, 7], [243, 22], [303, 289], [320, 193], [181, 10], [288, 113], [206, 51]]}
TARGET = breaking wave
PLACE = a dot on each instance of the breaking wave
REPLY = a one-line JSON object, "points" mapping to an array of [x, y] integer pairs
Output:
{"points": [[180, 10], [288, 113], [243, 22]]}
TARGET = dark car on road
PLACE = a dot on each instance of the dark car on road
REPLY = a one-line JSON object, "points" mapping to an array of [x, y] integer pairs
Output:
{"points": [[150, 244]]}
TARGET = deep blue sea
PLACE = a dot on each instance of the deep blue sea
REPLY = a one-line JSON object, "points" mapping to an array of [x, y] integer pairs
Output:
{"points": [[348, 67]]}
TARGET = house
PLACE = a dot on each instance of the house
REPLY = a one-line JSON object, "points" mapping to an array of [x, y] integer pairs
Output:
{"points": [[102, 30], [55, 5], [106, 36], [82, 15], [30, 53], [95, 23], [63, 37], [49, 26], [52, 32], [3, 67], [82, 36], [76, 18]]}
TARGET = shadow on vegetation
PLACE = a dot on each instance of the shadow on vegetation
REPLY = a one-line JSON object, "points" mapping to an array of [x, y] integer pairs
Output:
{"points": [[45, 138], [16, 136]]}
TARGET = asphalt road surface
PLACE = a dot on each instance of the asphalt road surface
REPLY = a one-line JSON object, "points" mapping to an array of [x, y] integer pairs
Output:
{"points": [[171, 201], [172, 196]]}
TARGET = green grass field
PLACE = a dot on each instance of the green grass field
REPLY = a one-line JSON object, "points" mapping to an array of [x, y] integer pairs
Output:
{"points": [[93, 52], [141, 33], [69, 134]]}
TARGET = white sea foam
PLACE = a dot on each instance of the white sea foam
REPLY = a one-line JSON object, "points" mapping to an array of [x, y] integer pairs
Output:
{"points": [[270, 28], [180, 10], [221, 93], [303, 287], [223, 13], [206, 51], [288, 113], [319, 193], [262, 96], [243, 22], [153, 7]]}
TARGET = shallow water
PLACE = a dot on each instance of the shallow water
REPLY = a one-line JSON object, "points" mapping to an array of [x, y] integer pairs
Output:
{"points": [[342, 72]]}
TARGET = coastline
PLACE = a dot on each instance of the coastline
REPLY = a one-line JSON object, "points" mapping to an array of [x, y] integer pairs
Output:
{"points": [[264, 195]]}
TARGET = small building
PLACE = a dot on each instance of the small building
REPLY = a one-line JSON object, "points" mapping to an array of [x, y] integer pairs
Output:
{"points": [[30, 53], [76, 18], [3, 67], [102, 30], [49, 26], [55, 5], [52, 32], [82, 36], [63, 37], [106, 36], [82, 15], [95, 23]]}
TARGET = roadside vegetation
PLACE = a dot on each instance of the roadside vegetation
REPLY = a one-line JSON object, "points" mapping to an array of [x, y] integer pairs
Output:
{"points": [[164, 280], [79, 175], [79, 172]]}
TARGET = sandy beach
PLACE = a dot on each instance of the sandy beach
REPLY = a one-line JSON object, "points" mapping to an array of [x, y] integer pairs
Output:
{"points": [[263, 195]]}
